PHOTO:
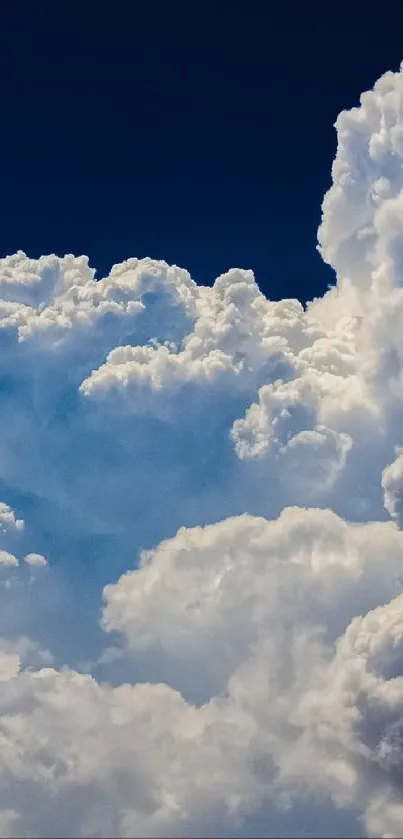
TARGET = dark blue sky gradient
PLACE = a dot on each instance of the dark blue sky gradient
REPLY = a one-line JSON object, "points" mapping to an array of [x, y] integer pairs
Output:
{"points": [[200, 133]]}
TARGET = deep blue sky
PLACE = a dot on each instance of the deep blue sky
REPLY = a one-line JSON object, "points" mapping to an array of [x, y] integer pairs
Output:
{"points": [[199, 133]]}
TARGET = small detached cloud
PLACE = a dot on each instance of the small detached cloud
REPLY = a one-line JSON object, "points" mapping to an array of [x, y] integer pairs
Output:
{"points": [[8, 559], [8, 521], [36, 560]]}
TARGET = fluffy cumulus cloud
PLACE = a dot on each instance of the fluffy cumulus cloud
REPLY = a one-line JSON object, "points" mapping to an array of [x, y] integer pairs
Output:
{"points": [[201, 553]]}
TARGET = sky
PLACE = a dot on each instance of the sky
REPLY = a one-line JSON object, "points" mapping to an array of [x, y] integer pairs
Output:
{"points": [[198, 133], [201, 412]]}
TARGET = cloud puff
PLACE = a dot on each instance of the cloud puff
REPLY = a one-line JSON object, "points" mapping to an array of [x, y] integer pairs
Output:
{"points": [[211, 595], [8, 520], [9, 666], [11, 527], [35, 559], [7, 559], [363, 685], [227, 471], [392, 482], [249, 612]]}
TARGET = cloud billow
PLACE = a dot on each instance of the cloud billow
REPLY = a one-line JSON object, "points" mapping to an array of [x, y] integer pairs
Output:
{"points": [[201, 554]]}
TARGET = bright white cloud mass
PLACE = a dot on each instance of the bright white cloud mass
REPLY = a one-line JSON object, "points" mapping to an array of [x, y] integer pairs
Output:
{"points": [[201, 560]]}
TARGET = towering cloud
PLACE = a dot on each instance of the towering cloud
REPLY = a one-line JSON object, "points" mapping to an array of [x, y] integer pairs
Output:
{"points": [[201, 554]]}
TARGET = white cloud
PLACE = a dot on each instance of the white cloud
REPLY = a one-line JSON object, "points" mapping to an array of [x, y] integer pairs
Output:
{"points": [[355, 714], [211, 594], [253, 678], [236, 332], [35, 559], [392, 482], [9, 666], [256, 613], [8, 520], [8, 559]]}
